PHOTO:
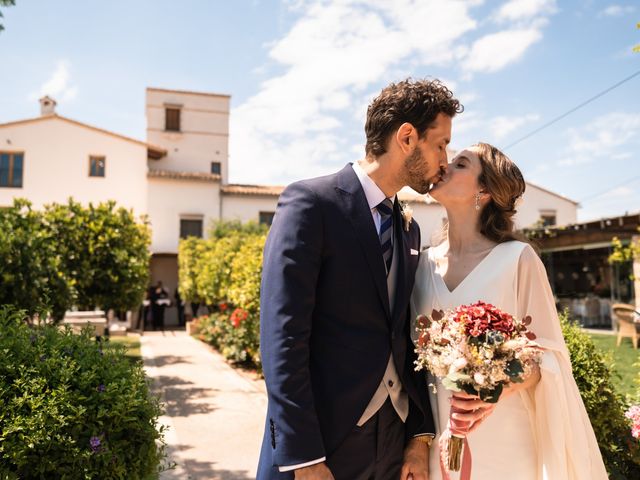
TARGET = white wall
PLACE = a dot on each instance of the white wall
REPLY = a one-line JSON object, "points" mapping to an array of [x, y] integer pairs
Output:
{"points": [[535, 200], [246, 208], [171, 199], [430, 216], [56, 165], [204, 136]]}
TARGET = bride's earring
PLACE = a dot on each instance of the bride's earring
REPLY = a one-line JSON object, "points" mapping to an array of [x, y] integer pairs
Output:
{"points": [[477, 201]]}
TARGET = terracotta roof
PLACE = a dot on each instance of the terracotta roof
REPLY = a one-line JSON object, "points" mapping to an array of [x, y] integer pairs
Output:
{"points": [[190, 92], [270, 190], [153, 151], [197, 176]]}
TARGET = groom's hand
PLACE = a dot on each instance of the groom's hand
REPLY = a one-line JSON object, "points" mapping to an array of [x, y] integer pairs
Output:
{"points": [[416, 461], [319, 471]]}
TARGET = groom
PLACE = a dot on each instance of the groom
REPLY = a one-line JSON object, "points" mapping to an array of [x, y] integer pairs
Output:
{"points": [[339, 264]]}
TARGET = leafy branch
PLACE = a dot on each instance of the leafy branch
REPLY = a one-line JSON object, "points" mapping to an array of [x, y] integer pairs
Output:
{"points": [[5, 3]]}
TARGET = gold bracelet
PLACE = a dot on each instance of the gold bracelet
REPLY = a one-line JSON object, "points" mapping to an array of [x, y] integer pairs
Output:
{"points": [[427, 439]]}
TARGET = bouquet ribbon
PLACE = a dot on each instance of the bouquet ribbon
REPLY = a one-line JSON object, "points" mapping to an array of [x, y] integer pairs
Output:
{"points": [[445, 439]]}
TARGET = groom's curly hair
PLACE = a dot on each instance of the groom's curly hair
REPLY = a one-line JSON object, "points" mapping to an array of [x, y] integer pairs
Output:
{"points": [[417, 102]]}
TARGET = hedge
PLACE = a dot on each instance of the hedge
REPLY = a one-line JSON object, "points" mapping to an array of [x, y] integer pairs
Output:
{"points": [[224, 272], [73, 408], [605, 406]]}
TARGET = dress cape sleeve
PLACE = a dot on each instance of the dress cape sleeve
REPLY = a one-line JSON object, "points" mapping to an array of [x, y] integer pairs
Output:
{"points": [[566, 443]]}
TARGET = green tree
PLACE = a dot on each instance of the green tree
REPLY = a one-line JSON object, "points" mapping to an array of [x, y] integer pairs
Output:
{"points": [[224, 228], [71, 255], [31, 274], [246, 272], [112, 267], [214, 277], [5, 3], [190, 251]]}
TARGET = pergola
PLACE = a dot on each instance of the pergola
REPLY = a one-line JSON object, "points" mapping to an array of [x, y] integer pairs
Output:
{"points": [[576, 257]]}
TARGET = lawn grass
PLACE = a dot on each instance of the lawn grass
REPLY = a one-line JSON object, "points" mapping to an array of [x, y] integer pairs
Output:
{"points": [[623, 361], [133, 346]]}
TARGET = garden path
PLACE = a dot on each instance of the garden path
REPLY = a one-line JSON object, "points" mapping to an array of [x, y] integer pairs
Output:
{"points": [[214, 414]]}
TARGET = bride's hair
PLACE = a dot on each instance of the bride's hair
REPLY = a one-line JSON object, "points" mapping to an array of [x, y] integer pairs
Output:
{"points": [[502, 179]]}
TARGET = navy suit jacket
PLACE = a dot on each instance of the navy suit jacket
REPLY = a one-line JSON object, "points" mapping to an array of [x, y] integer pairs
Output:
{"points": [[326, 329]]}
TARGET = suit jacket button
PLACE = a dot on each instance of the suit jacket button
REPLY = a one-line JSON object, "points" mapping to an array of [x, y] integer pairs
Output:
{"points": [[390, 383]]}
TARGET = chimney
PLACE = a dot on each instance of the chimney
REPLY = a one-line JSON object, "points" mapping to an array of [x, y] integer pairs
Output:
{"points": [[47, 106]]}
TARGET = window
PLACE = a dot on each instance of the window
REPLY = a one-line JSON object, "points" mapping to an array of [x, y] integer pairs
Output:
{"points": [[548, 219], [266, 218], [11, 166], [216, 168], [190, 227], [96, 166], [172, 119]]}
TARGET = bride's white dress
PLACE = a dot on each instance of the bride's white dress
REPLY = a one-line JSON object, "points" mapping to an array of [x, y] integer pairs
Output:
{"points": [[543, 433]]}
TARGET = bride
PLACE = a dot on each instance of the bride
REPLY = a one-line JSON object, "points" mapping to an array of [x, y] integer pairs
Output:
{"points": [[539, 429]]}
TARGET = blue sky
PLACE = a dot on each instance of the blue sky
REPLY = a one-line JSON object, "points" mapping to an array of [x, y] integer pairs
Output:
{"points": [[301, 74]]}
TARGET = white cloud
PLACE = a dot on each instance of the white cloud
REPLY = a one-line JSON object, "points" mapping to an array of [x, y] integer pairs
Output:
{"points": [[496, 50], [333, 57], [621, 192], [601, 139], [502, 126], [334, 60], [58, 86], [518, 10], [617, 10]]}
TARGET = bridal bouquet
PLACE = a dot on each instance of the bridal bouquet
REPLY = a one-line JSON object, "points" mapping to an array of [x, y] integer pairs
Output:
{"points": [[477, 349]]}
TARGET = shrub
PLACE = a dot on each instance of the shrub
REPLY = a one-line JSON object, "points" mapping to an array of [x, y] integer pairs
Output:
{"points": [[73, 408], [234, 333], [606, 408]]}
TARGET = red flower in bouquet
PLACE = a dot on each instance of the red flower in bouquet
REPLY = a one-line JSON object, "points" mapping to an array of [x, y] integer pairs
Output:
{"points": [[478, 349], [481, 317]]}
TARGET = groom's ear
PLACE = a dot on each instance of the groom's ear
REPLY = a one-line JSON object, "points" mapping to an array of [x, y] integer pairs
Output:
{"points": [[406, 137]]}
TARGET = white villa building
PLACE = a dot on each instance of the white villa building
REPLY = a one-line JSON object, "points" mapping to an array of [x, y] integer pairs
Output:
{"points": [[178, 176]]}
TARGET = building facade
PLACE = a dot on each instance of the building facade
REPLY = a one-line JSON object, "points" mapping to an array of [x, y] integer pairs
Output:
{"points": [[178, 177]]}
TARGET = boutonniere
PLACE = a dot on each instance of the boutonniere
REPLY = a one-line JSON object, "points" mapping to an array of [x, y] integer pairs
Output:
{"points": [[407, 215]]}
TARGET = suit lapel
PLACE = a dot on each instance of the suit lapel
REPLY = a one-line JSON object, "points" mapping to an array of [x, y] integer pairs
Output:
{"points": [[359, 214]]}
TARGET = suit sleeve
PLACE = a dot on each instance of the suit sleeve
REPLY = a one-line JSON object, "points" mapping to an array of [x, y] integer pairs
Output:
{"points": [[291, 265], [420, 419]]}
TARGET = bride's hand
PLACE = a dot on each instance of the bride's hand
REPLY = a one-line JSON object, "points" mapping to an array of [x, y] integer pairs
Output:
{"points": [[468, 411]]}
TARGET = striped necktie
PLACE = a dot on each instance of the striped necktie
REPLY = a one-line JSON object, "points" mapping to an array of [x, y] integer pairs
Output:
{"points": [[385, 209]]}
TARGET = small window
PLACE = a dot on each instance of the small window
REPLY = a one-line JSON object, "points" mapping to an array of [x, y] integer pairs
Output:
{"points": [[11, 166], [172, 119], [548, 219], [266, 218], [216, 168], [190, 228], [96, 166]]}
